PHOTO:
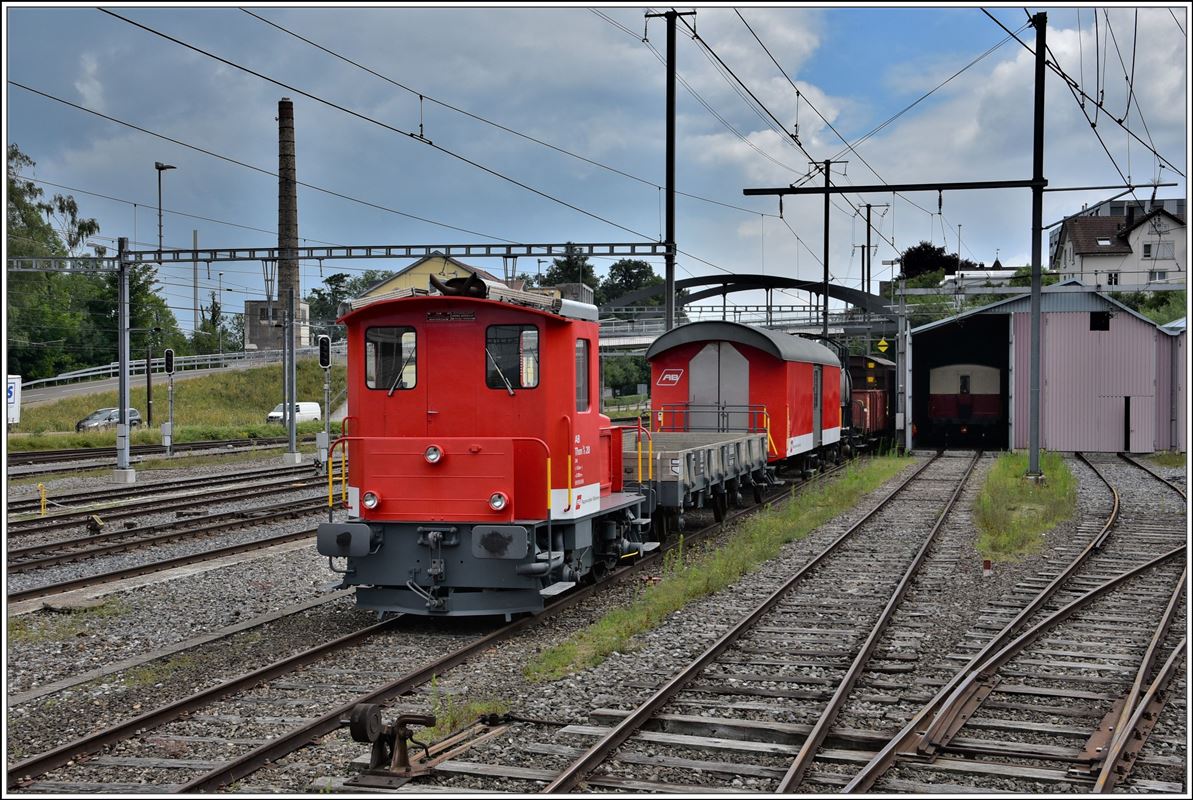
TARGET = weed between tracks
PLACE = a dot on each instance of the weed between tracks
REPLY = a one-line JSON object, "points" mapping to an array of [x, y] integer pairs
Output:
{"points": [[757, 540], [1012, 515], [452, 715], [156, 672], [63, 625], [1168, 459]]}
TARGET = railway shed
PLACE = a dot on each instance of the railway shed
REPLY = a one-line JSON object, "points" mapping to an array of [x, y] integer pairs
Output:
{"points": [[1111, 379]]}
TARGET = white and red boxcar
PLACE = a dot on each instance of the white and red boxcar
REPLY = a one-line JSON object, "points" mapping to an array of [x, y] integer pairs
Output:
{"points": [[482, 476], [728, 376]]}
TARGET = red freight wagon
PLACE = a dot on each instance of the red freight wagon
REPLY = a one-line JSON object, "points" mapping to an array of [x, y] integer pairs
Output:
{"points": [[482, 476], [870, 412], [726, 376]]}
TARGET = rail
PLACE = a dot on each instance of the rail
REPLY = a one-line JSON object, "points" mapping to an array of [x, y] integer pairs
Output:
{"points": [[571, 776], [828, 717], [908, 737]]}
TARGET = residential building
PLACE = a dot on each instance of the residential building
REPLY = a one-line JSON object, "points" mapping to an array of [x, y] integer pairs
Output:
{"points": [[1111, 251], [1120, 207]]}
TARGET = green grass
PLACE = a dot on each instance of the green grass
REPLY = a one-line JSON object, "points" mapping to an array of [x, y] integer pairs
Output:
{"points": [[1013, 514], [60, 627], [451, 715], [229, 405], [156, 672], [688, 578], [1169, 459]]}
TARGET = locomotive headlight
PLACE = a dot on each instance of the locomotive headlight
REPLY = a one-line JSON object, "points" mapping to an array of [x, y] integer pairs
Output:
{"points": [[433, 454], [498, 501], [370, 500]]}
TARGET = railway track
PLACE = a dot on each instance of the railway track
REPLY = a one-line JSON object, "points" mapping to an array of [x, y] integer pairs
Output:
{"points": [[1060, 649], [1054, 681], [87, 501], [30, 457], [309, 704], [180, 505], [783, 669], [40, 556]]}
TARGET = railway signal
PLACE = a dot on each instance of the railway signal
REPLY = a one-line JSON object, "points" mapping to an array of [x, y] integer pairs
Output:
{"points": [[168, 428], [324, 439], [325, 352]]}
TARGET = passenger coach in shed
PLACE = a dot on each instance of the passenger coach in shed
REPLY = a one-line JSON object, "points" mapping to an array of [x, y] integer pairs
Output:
{"points": [[482, 476]]}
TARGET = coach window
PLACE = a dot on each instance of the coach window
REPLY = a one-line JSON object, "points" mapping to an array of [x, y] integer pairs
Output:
{"points": [[964, 384], [390, 362], [511, 357], [581, 374]]}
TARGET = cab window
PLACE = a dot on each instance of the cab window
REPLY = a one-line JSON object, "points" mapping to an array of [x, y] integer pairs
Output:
{"points": [[511, 357], [390, 362], [581, 374]]}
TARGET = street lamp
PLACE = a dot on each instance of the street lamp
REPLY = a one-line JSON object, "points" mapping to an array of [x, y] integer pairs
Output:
{"points": [[160, 167]]}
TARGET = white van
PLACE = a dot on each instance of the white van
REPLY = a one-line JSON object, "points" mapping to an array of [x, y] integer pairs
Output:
{"points": [[303, 412]]}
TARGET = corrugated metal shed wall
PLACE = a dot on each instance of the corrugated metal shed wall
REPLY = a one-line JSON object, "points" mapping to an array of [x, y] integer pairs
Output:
{"points": [[1089, 373], [1021, 325], [1164, 408], [1181, 344]]}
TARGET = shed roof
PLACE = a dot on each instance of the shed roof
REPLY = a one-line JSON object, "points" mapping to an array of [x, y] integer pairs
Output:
{"points": [[1050, 302], [779, 345]]}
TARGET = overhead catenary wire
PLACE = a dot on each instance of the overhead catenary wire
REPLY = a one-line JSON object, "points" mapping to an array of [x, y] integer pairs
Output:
{"points": [[393, 129], [255, 168], [472, 115], [167, 211], [1075, 87]]}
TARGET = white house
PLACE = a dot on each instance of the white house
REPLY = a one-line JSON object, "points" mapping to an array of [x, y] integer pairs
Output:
{"points": [[1113, 251]]}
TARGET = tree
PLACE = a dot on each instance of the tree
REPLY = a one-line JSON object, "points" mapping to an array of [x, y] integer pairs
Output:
{"points": [[573, 267], [1160, 307], [629, 275], [48, 313], [926, 257], [325, 303], [624, 373]]}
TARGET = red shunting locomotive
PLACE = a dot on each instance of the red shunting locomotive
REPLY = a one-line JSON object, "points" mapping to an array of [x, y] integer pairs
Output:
{"points": [[482, 477]]}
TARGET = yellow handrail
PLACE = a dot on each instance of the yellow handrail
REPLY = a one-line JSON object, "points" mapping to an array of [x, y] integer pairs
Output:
{"points": [[769, 441]]}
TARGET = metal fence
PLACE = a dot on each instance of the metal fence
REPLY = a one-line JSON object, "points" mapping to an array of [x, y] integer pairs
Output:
{"points": [[182, 364]]}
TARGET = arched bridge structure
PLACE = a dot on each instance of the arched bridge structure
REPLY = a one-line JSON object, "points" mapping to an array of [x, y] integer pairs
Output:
{"points": [[728, 284]]}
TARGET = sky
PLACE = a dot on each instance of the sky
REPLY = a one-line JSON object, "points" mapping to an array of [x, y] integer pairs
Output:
{"points": [[585, 82]]}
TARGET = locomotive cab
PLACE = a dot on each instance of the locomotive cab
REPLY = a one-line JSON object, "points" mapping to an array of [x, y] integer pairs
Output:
{"points": [[482, 476]]}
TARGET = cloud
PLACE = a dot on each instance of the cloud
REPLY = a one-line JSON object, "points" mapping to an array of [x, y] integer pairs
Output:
{"points": [[88, 84]]}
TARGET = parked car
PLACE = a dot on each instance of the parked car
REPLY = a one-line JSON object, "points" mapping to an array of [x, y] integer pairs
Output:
{"points": [[302, 412], [107, 418]]}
